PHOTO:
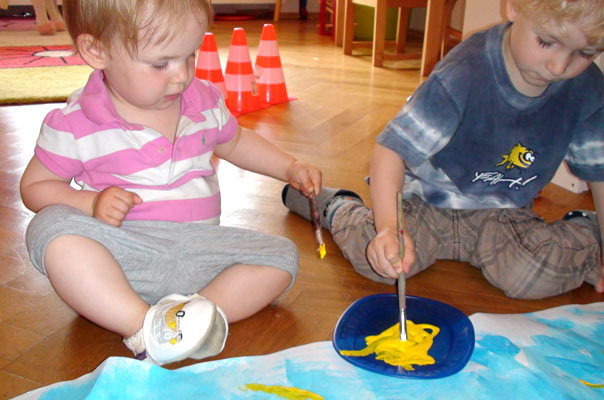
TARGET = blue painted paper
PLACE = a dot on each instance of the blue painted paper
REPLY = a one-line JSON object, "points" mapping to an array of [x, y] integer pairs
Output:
{"points": [[540, 355]]}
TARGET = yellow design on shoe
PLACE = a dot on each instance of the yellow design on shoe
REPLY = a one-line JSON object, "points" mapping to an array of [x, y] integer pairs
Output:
{"points": [[172, 316], [177, 327]]}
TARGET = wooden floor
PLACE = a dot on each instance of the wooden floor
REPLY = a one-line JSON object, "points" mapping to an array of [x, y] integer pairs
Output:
{"points": [[342, 104]]}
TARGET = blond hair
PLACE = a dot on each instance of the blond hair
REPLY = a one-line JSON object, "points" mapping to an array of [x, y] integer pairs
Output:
{"points": [[589, 14], [109, 21]]}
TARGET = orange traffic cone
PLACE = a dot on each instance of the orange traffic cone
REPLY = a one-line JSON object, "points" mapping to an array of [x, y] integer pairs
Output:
{"points": [[242, 94], [268, 69], [208, 63]]}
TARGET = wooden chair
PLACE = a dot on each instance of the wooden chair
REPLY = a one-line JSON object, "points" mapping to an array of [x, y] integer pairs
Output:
{"points": [[451, 36], [379, 29], [277, 10], [326, 17]]}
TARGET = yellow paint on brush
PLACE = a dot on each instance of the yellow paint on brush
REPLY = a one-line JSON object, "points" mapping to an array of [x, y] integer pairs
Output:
{"points": [[388, 346], [322, 251], [287, 392], [592, 385]]}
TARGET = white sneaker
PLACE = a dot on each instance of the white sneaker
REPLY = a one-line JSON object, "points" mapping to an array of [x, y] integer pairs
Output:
{"points": [[179, 327], [215, 339]]}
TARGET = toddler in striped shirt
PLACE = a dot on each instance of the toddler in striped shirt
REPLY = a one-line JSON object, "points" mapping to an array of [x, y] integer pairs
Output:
{"points": [[137, 247]]}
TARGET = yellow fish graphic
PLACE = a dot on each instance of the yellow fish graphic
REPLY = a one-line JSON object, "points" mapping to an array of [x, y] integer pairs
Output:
{"points": [[172, 321], [520, 156]]}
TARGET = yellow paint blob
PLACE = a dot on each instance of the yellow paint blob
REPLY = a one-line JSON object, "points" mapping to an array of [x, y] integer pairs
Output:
{"points": [[291, 393], [388, 346]]}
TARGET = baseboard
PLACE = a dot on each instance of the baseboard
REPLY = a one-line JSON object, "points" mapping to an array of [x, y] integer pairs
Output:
{"points": [[18, 12]]}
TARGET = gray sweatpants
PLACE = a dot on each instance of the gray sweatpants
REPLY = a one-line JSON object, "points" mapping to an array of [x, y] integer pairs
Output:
{"points": [[516, 249], [161, 258]]}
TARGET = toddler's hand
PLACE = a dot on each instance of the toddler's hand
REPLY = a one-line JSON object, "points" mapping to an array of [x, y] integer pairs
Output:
{"points": [[304, 177], [113, 204], [383, 254]]}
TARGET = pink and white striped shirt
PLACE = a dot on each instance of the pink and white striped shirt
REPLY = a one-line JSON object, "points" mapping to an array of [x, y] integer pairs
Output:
{"points": [[88, 141]]}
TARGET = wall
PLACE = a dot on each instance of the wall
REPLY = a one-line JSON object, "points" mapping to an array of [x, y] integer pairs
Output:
{"points": [[480, 14], [418, 17], [287, 6]]}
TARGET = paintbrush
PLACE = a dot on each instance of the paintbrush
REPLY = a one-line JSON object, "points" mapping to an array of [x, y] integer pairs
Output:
{"points": [[316, 224], [402, 295]]}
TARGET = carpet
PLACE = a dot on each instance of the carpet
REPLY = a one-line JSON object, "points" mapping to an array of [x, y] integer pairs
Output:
{"points": [[40, 74], [17, 24], [41, 84]]}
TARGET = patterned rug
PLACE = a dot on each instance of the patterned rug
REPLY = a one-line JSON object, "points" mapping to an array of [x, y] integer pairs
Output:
{"points": [[38, 56], [40, 74], [17, 24]]}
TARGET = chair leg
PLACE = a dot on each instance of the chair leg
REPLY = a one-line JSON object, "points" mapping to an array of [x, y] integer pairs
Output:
{"points": [[277, 11], [448, 32], [432, 37], [348, 27], [322, 17], [379, 33], [339, 22], [402, 28]]}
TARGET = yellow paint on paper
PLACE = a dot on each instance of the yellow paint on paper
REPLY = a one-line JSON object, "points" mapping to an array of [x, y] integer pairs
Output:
{"points": [[388, 346], [322, 251], [593, 385], [287, 392]]}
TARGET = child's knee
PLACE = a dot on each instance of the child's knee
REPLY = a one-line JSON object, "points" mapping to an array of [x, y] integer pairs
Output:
{"points": [[282, 279], [46, 226], [57, 251]]}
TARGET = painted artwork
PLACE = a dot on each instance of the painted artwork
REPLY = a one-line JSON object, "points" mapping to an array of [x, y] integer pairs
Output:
{"points": [[551, 354]]}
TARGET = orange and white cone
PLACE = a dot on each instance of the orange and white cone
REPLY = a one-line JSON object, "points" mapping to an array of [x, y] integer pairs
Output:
{"points": [[208, 63], [242, 93], [268, 69]]}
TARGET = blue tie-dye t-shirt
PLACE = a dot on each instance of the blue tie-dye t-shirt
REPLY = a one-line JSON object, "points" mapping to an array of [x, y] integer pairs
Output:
{"points": [[470, 140]]}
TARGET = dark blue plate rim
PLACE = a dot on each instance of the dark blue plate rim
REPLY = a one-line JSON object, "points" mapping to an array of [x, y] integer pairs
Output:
{"points": [[370, 315]]}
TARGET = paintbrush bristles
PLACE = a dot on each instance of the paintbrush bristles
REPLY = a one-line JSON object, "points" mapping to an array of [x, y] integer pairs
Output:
{"points": [[316, 224]]}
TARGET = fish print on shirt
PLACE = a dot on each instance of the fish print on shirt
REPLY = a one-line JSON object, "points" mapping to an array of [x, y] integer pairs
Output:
{"points": [[519, 158]]}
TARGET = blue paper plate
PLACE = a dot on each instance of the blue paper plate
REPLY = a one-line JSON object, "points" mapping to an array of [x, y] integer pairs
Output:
{"points": [[373, 314]]}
